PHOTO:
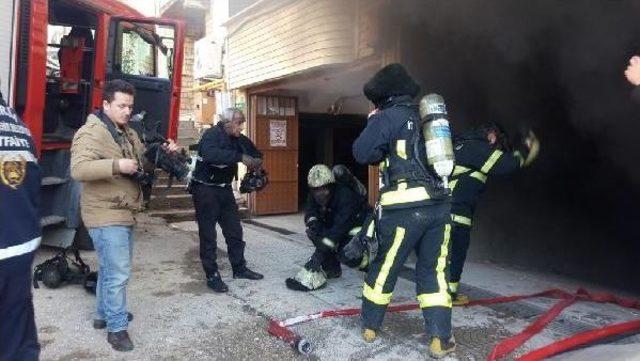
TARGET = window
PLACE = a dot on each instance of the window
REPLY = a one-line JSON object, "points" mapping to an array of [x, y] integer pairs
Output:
{"points": [[145, 49]]}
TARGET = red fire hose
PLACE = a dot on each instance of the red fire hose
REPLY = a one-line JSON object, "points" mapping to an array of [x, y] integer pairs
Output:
{"points": [[281, 329]]}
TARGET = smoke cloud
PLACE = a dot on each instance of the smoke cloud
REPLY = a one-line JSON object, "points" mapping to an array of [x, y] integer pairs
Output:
{"points": [[556, 66]]}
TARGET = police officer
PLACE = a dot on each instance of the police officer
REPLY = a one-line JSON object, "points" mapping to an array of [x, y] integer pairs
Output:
{"points": [[19, 236], [219, 152], [414, 211], [479, 154], [334, 211]]}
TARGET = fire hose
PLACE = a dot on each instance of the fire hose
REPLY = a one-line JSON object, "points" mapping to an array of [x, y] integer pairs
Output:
{"points": [[281, 329]]}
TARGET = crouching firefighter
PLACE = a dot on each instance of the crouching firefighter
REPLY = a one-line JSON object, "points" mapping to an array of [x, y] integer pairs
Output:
{"points": [[414, 209], [336, 206], [479, 155]]}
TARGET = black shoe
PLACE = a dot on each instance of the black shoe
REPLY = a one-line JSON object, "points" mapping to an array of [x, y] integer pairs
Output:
{"points": [[215, 283], [120, 341], [100, 324], [248, 274]]}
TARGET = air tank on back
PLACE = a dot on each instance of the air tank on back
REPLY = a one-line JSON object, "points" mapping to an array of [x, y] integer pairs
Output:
{"points": [[437, 136]]}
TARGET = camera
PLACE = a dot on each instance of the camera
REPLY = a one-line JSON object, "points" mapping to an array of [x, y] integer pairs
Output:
{"points": [[254, 181], [57, 270], [174, 164], [142, 177]]}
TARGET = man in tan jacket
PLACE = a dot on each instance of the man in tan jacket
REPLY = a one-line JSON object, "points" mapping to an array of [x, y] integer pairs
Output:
{"points": [[106, 156]]}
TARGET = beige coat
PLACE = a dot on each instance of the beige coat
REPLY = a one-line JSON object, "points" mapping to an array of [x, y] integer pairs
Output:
{"points": [[108, 198]]}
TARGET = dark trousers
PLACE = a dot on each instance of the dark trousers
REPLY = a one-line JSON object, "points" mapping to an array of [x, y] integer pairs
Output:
{"points": [[217, 205], [460, 237], [18, 335], [423, 229]]}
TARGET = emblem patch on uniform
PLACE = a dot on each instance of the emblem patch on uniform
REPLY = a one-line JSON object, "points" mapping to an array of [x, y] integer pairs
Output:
{"points": [[459, 146], [13, 172]]}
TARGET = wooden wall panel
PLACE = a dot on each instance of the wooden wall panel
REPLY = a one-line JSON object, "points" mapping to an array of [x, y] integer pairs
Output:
{"points": [[289, 39]]}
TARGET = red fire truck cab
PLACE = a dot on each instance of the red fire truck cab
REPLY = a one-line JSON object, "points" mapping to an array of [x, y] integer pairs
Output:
{"points": [[65, 50]]}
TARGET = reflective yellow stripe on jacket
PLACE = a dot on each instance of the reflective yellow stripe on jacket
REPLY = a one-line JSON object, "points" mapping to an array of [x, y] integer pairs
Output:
{"points": [[403, 195], [493, 158]]}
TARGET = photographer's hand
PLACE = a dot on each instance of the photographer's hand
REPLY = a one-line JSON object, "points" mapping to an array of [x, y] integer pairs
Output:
{"points": [[251, 162], [171, 146], [127, 166]]}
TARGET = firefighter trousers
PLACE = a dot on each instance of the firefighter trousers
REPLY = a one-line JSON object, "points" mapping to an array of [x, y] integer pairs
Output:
{"points": [[426, 230], [460, 236]]}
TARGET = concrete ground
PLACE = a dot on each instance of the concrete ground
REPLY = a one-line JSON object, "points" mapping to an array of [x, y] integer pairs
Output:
{"points": [[178, 318]]}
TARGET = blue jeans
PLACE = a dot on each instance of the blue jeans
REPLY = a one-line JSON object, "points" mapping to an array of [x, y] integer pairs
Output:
{"points": [[114, 245]]}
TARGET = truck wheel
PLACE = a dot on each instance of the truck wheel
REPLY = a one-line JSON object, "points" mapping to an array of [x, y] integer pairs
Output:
{"points": [[82, 240]]}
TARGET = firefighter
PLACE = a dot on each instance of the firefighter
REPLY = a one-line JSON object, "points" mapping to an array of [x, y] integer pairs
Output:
{"points": [[479, 154], [20, 236], [334, 211], [414, 209], [219, 152]]}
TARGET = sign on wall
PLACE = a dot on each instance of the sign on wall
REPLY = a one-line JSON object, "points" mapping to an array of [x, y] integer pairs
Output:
{"points": [[277, 133]]}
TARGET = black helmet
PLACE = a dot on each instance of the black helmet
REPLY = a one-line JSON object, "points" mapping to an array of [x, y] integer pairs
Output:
{"points": [[254, 181]]}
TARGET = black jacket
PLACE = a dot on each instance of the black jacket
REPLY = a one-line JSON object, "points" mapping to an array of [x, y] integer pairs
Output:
{"points": [[19, 195], [389, 136], [476, 161], [219, 154], [346, 210]]}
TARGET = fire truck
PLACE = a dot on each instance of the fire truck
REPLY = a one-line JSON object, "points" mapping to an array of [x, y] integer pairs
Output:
{"points": [[55, 60]]}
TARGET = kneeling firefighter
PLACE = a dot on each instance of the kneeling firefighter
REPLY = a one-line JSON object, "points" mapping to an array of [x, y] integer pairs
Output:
{"points": [[336, 206], [414, 208], [480, 154]]}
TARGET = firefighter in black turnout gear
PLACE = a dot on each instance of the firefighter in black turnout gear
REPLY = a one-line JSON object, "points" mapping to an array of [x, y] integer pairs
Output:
{"points": [[20, 236], [479, 155], [219, 152], [414, 209], [336, 207]]}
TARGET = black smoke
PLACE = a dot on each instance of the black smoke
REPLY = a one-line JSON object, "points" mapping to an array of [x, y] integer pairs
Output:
{"points": [[556, 66]]}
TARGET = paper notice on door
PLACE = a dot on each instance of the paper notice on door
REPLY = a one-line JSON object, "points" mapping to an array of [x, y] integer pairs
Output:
{"points": [[278, 133]]}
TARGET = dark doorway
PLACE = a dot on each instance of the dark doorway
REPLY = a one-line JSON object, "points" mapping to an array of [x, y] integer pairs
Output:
{"points": [[327, 139]]}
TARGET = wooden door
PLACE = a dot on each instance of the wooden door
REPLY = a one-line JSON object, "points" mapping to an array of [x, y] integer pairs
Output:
{"points": [[274, 129]]}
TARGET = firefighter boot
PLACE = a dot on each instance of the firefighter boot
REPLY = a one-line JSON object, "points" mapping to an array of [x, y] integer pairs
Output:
{"points": [[459, 300], [439, 349], [369, 335]]}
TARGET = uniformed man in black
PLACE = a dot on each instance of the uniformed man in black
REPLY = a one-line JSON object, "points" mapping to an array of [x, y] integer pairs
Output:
{"points": [[414, 209], [219, 152], [479, 154], [20, 236]]}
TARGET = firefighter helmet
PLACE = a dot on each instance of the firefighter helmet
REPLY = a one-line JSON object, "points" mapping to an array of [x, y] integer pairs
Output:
{"points": [[320, 175]]}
